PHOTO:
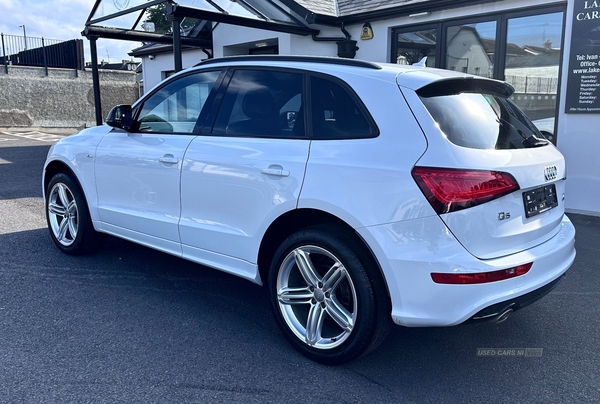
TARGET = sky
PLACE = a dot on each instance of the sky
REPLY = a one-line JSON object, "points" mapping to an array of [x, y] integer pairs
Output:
{"points": [[59, 19]]}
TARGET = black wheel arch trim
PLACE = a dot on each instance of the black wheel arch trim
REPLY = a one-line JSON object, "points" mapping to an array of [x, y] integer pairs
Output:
{"points": [[63, 168], [308, 217]]}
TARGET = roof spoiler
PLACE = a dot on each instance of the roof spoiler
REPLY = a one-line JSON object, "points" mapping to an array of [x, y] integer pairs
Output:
{"points": [[457, 85]]}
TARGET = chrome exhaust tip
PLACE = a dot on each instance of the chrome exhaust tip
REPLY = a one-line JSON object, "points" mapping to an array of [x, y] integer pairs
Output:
{"points": [[503, 316]]}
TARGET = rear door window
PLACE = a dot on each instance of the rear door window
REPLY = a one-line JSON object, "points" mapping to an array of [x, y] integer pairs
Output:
{"points": [[262, 103]]}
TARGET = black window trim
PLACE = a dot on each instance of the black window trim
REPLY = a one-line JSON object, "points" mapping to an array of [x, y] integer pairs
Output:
{"points": [[211, 116]]}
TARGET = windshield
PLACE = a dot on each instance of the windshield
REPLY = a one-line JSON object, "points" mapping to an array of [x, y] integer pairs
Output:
{"points": [[483, 121]]}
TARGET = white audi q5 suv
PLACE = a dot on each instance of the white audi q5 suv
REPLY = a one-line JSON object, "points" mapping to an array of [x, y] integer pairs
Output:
{"points": [[360, 194]]}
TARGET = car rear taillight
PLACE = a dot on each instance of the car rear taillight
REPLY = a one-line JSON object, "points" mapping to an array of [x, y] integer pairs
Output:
{"points": [[481, 277], [449, 190]]}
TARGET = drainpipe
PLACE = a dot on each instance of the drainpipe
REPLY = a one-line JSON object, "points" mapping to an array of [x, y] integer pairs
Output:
{"points": [[346, 46]]}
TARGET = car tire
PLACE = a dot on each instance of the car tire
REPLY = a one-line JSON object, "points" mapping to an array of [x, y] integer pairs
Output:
{"points": [[68, 217], [327, 304]]}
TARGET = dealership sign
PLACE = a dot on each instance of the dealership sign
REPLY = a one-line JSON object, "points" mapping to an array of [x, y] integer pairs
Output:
{"points": [[583, 85]]}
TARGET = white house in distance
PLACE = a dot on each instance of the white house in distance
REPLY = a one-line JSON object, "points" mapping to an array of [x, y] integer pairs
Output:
{"points": [[525, 42], [468, 52]]}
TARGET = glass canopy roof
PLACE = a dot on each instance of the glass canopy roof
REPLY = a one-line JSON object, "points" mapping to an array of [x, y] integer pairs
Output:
{"points": [[131, 14]]}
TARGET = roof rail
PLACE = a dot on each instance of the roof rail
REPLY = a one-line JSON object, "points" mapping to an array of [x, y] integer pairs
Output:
{"points": [[293, 58]]}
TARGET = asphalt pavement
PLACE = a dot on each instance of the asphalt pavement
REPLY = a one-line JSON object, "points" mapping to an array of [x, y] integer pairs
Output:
{"points": [[132, 325]]}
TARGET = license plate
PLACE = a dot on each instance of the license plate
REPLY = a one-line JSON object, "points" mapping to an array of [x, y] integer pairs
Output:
{"points": [[540, 200]]}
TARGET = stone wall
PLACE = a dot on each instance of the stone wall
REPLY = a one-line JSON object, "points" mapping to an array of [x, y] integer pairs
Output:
{"points": [[63, 99]]}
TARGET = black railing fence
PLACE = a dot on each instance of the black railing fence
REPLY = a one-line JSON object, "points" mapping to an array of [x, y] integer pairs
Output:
{"points": [[534, 85], [41, 52]]}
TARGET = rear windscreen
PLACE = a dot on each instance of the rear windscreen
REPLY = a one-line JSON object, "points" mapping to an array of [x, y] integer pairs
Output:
{"points": [[483, 121]]}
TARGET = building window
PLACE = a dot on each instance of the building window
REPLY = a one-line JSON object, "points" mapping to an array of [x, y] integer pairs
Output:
{"points": [[413, 46], [470, 48], [521, 47], [532, 63], [266, 50]]}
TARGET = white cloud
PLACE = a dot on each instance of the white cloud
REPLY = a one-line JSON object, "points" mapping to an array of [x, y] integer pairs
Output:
{"points": [[6, 5]]}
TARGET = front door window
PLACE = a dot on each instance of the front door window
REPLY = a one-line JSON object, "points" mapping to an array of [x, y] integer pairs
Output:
{"points": [[175, 108]]}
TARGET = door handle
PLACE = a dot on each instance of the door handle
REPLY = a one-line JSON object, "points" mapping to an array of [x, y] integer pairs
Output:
{"points": [[279, 172], [168, 159]]}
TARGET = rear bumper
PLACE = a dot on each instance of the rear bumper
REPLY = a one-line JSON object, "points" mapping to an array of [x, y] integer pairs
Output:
{"points": [[492, 312], [410, 251]]}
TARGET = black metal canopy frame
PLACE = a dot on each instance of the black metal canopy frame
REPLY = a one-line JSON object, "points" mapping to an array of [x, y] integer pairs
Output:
{"points": [[124, 16], [288, 16]]}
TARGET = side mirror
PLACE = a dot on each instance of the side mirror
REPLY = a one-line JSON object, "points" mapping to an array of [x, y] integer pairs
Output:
{"points": [[120, 117]]}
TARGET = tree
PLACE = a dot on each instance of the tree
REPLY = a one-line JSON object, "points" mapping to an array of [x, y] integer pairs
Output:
{"points": [[162, 24], [158, 15]]}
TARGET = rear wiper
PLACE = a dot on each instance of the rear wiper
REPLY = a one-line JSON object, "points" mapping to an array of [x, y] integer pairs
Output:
{"points": [[534, 141]]}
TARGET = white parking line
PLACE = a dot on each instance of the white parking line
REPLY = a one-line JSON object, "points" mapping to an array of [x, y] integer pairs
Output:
{"points": [[34, 135]]}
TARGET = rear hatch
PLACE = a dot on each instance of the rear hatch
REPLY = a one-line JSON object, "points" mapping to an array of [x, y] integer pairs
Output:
{"points": [[488, 171]]}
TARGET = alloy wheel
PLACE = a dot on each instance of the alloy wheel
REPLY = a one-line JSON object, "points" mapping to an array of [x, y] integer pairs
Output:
{"points": [[317, 297], [63, 214]]}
